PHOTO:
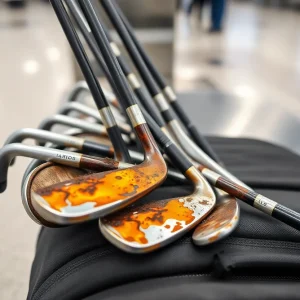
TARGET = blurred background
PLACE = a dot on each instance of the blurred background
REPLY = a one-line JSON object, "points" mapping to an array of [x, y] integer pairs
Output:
{"points": [[235, 65]]}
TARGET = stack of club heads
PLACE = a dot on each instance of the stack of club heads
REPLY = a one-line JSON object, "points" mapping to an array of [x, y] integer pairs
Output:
{"points": [[104, 150]]}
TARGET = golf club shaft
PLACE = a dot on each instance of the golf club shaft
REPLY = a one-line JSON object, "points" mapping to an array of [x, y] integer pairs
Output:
{"points": [[198, 138], [94, 86], [260, 202]]}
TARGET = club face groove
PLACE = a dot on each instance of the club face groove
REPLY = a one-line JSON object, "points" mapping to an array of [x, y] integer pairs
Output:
{"points": [[99, 194], [220, 223], [144, 228]]}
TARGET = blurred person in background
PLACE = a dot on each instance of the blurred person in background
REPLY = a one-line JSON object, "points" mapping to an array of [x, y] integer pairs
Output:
{"points": [[217, 12]]}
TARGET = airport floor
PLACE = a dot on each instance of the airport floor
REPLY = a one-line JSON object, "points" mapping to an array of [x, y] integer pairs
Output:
{"points": [[244, 82]]}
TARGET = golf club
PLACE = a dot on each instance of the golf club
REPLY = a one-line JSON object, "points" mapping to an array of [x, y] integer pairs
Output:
{"points": [[100, 100], [8, 152], [169, 92], [177, 131], [99, 194], [81, 86], [49, 122], [91, 112], [174, 216], [83, 144], [258, 201], [230, 217]]}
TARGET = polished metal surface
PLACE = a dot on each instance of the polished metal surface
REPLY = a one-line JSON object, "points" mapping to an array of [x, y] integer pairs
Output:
{"points": [[170, 94], [133, 81], [264, 204], [115, 49], [44, 136], [135, 115], [107, 117], [197, 154], [66, 108], [161, 102], [24, 189], [199, 204], [8, 152], [48, 123]]}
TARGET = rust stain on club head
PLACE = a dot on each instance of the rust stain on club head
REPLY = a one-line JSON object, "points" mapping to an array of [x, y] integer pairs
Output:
{"points": [[120, 187], [133, 223], [143, 228], [220, 223]]}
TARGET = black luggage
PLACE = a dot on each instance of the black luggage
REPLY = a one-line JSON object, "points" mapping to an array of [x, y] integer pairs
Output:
{"points": [[260, 260]]}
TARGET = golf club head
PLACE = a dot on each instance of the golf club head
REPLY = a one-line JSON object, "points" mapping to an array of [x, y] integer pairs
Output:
{"points": [[220, 223], [67, 158], [39, 174], [144, 228], [99, 194]]}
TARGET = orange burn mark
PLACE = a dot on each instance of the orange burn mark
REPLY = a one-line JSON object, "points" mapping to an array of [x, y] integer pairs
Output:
{"points": [[102, 188], [130, 223], [108, 187], [214, 238]]}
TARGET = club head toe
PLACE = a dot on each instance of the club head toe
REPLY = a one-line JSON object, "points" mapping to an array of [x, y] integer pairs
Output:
{"points": [[220, 223]]}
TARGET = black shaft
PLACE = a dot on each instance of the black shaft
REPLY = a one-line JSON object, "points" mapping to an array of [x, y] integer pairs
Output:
{"points": [[88, 36], [138, 90], [104, 46], [134, 53], [181, 160], [89, 75], [287, 216], [84, 28], [198, 138]]}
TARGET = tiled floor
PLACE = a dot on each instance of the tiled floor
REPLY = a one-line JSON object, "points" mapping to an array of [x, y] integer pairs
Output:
{"points": [[35, 71], [255, 63]]}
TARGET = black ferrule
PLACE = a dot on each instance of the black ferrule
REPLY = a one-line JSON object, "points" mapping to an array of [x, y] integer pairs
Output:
{"points": [[287, 216], [149, 106], [131, 48], [178, 157], [120, 147], [168, 115], [93, 148]]}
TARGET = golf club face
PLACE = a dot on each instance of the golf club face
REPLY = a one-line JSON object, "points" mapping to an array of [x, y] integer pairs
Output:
{"points": [[144, 228], [38, 176], [99, 194], [220, 223]]}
